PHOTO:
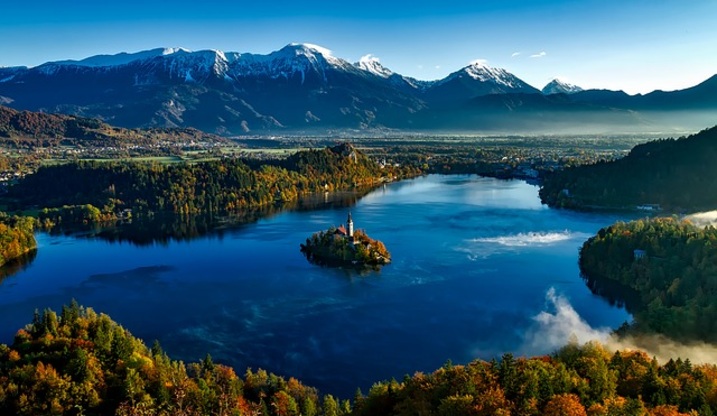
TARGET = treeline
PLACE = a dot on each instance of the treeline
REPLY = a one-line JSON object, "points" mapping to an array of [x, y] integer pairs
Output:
{"points": [[671, 264], [79, 214], [218, 186], [82, 363], [676, 174], [16, 237], [575, 381]]}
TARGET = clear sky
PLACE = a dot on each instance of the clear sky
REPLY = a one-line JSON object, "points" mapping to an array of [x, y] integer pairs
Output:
{"points": [[633, 45]]}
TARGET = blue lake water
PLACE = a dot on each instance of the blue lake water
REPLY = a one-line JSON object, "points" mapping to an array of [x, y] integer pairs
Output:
{"points": [[479, 268]]}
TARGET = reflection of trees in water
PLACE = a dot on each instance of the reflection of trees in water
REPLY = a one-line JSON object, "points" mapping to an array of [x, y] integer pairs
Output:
{"points": [[350, 269], [17, 265], [614, 292], [164, 228]]}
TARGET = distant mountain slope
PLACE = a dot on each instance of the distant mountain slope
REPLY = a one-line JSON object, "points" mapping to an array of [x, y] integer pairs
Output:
{"points": [[703, 95], [676, 174], [25, 128], [304, 87]]}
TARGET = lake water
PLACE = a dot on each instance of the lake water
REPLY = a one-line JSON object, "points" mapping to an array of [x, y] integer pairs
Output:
{"points": [[479, 268]]}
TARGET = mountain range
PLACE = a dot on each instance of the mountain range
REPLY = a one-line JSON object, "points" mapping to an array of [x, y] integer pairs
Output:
{"points": [[304, 87]]}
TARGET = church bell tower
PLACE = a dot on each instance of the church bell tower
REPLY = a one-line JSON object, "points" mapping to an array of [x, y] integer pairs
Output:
{"points": [[350, 226]]}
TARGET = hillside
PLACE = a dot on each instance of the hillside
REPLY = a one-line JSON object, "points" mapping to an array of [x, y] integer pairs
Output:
{"points": [[677, 175], [26, 129], [226, 185], [671, 266]]}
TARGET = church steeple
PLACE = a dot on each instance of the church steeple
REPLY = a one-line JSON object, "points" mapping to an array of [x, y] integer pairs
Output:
{"points": [[350, 226]]}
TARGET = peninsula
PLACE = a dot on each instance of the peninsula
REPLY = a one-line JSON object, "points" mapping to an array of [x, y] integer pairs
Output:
{"points": [[343, 246]]}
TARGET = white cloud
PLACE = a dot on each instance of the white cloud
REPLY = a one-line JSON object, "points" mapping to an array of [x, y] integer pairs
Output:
{"points": [[703, 219], [479, 62], [369, 58], [561, 324], [556, 326], [438, 67], [515, 54], [419, 66], [539, 54]]}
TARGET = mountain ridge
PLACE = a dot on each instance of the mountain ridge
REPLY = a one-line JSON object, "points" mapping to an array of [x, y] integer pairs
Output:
{"points": [[305, 87]]}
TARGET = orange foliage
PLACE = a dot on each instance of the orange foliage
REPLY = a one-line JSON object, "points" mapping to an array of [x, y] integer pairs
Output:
{"points": [[667, 411], [565, 405]]}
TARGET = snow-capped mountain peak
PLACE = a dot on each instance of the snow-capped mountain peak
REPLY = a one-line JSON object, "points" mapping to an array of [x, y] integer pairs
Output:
{"points": [[477, 79], [304, 47], [480, 71], [170, 51], [312, 52], [295, 58], [557, 86], [372, 65]]}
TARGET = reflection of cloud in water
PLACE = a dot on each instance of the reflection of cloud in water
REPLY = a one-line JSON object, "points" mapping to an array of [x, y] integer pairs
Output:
{"points": [[128, 278], [319, 219], [480, 248], [203, 333], [249, 332], [529, 239]]}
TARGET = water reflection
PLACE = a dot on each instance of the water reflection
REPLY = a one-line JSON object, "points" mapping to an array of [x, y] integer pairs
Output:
{"points": [[17, 265], [165, 228], [614, 292]]}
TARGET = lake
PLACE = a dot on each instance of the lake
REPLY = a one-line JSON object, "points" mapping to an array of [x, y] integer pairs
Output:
{"points": [[479, 268]]}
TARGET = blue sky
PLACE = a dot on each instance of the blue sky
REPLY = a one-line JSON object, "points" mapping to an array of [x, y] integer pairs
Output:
{"points": [[633, 45]]}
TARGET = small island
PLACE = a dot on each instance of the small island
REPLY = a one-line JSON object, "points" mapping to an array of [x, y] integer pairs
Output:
{"points": [[343, 246]]}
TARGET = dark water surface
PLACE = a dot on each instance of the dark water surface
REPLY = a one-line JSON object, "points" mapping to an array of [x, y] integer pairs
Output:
{"points": [[473, 261]]}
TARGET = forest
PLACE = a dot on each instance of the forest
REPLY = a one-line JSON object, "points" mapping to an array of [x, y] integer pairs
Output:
{"points": [[671, 265], [93, 190], [677, 175], [16, 237], [80, 362]]}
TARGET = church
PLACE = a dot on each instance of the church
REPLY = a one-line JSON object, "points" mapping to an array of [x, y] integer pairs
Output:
{"points": [[347, 231]]}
